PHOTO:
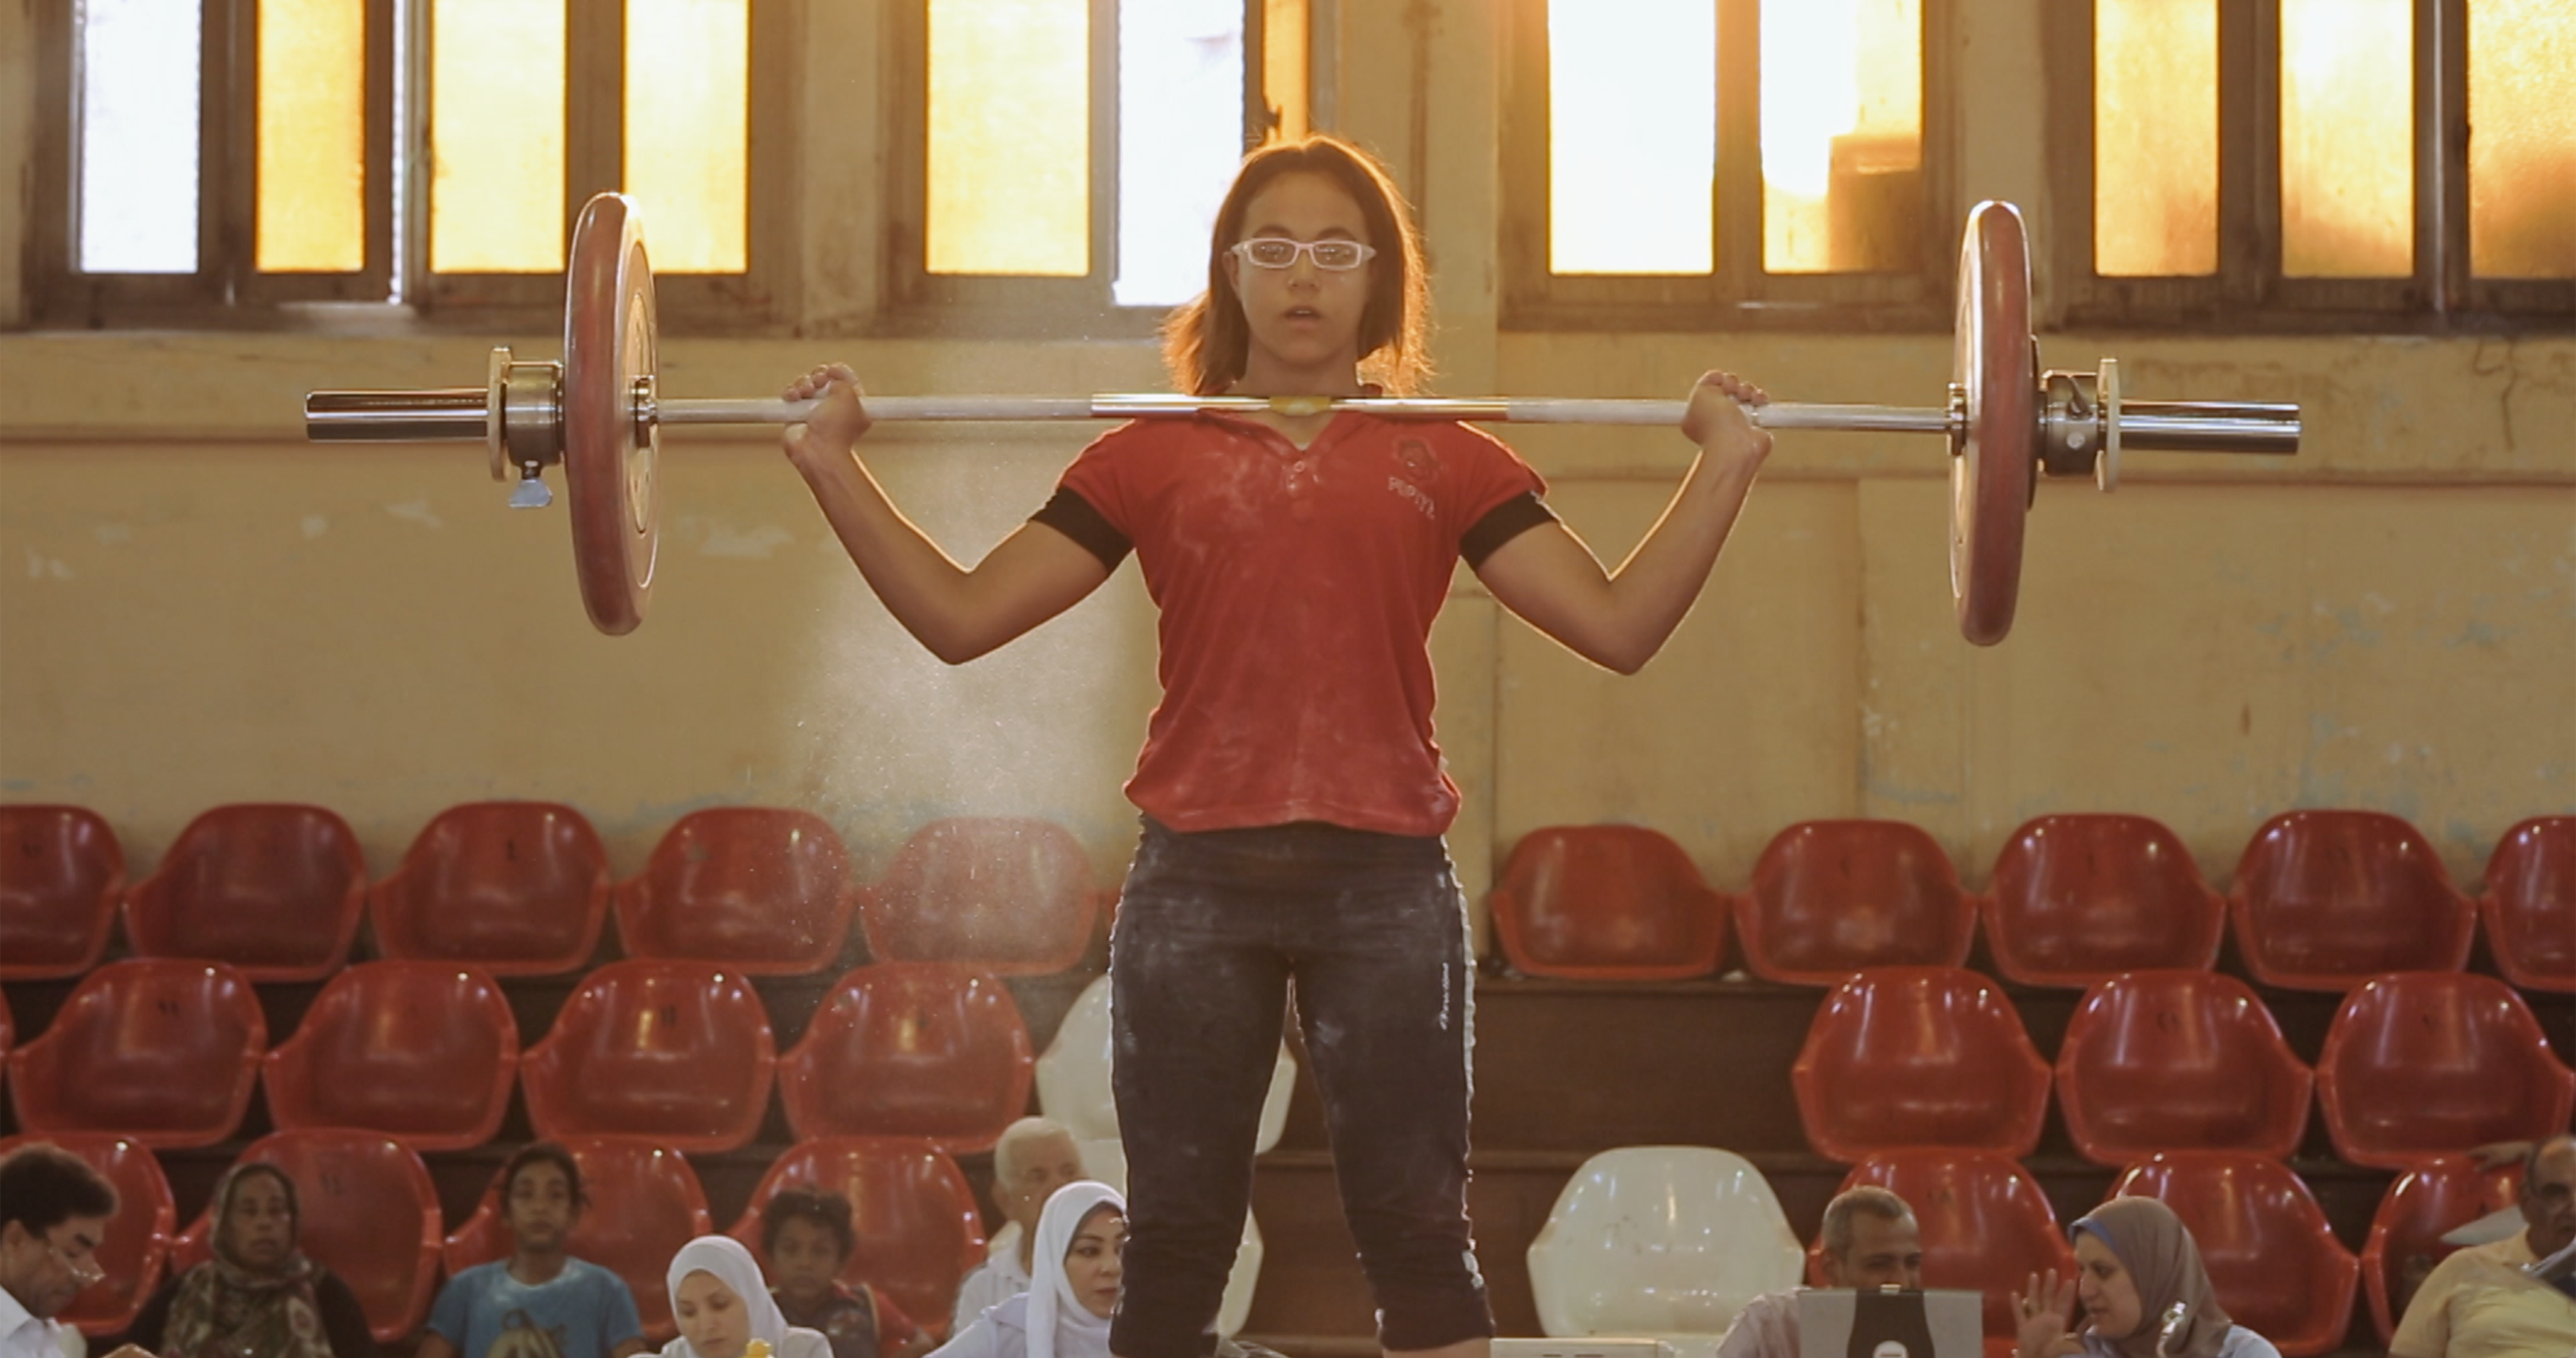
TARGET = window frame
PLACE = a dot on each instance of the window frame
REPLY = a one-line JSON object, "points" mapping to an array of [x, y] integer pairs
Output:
{"points": [[919, 302], [2249, 291], [229, 292], [1737, 294]]}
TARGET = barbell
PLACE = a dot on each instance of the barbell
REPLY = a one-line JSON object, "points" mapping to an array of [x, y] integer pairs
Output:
{"points": [[599, 414]]}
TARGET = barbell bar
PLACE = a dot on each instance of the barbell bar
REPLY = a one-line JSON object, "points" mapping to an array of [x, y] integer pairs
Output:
{"points": [[599, 414]]}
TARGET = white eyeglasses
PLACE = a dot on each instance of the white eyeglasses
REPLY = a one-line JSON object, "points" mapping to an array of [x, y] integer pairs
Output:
{"points": [[1279, 252]]}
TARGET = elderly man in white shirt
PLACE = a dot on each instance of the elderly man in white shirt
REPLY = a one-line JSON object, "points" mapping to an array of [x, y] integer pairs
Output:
{"points": [[54, 1210], [1870, 1240], [1033, 1158], [2475, 1304]]}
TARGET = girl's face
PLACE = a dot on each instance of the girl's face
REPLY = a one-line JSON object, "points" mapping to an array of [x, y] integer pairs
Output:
{"points": [[1092, 1265], [805, 1259], [258, 1228], [2103, 1284], [712, 1318], [1304, 320]]}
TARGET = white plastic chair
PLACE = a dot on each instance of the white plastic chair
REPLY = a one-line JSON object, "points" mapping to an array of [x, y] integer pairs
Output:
{"points": [[1073, 1076], [1667, 1241], [1107, 1161]]}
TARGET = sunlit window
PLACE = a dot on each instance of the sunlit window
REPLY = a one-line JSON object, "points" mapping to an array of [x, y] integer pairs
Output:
{"points": [[1632, 136], [496, 120], [1284, 63], [312, 214], [1180, 137], [1009, 137], [138, 76], [2155, 137], [688, 130], [2347, 138], [2522, 139], [1842, 135]]}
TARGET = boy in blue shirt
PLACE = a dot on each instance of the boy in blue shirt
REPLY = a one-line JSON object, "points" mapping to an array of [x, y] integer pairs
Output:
{"points": [[540, 1302]]}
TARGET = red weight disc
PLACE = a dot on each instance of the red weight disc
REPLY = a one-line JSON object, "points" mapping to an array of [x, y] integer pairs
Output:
{"points": [[609, 464], [1990, 479]]}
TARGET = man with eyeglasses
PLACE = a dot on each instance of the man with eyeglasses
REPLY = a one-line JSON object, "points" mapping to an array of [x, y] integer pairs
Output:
{"points": [[2480, 1303], [53, 1217]]}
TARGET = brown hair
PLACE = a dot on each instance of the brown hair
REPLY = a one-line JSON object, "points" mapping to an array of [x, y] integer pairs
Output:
{"points": [[1206, 342]]}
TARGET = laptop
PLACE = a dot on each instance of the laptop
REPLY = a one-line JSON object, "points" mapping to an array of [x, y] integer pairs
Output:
{"points": [[1888, 1323]]}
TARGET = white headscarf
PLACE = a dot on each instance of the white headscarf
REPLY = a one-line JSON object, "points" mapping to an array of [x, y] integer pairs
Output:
{"points": [[732, 1265], [1060, 1326]]}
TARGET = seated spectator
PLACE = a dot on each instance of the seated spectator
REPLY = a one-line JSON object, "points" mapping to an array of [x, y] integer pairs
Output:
{"points": [[1074, 1289], [259, 1293], [2479, 1303], [540, 1302], [54, 1209], [1870, 1240], [2135, 1262], [808, 1239], [722, 1304], [1034, 1158]]}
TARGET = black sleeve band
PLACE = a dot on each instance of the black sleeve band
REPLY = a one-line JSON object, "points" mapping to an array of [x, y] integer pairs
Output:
{"points": [[1073, 516], [1501, 524]]}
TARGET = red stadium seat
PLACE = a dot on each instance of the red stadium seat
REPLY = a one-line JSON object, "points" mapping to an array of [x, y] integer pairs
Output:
{"points": [[2178, 1060], [275, 890], [2325, 900], [2075, 900], [1986, 1226], [138, 1236], [2530, 904], [61, 876], [645, 1203], [1919, 1056], [509, 888], [1606, 902], [2418, 1063], [158, 1049], [1830, 897], [2275, 1263], [1011, 896], [760, 889], [919, 1231], [911, 1049], [678, 1052], [2438, 1195], [423, 1052], [368, 1212]]}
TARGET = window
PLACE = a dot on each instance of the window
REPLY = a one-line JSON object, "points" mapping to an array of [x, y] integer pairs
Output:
{"points": [[1727, 163], [2387, 164], [235, 155], [1060, 162]]}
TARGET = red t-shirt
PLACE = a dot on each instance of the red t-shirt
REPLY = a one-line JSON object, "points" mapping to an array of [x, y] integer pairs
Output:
{"points": [[1297, 589]]}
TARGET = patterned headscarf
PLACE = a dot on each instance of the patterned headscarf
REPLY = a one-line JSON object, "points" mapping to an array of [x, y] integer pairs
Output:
{"points": [[2163, 1262], [224, 1309]]}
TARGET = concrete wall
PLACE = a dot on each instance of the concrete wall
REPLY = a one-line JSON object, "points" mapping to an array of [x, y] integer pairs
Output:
{"points": [[197, 607]]}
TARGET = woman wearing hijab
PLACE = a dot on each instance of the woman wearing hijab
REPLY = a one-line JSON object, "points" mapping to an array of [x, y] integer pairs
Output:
{"points": [[722, 1304], [2135, 1263], [258, 1294], [1073, 1284]]}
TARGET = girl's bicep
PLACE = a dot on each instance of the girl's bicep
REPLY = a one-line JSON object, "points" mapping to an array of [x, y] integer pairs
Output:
{"points": [[1032, 575]]}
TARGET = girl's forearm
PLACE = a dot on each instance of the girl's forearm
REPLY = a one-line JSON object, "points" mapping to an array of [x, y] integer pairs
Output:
{"points": [[1654, 588], [920, 584]]}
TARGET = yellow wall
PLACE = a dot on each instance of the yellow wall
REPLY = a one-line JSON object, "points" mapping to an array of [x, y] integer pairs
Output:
{"points": [[197, 607]]}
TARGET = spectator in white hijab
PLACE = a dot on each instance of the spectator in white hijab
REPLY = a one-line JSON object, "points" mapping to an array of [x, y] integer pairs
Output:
{"points": [[1073, 1284], [723, 1304]]}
